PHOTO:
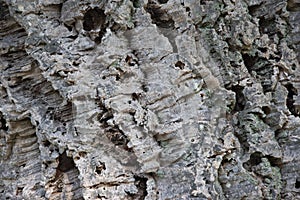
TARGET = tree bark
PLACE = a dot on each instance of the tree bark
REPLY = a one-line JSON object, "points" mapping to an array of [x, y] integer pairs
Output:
{"points": [[150, 99]]}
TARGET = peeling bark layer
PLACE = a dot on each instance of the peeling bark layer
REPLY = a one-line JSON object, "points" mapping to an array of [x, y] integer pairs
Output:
{"points": [[149, 99]]}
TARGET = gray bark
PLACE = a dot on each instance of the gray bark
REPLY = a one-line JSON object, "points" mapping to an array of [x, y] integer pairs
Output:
{"points": [[150, 99]]}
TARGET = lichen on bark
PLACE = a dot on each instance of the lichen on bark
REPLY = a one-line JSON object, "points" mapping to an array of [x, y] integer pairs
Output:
{"points": [[149, 99]]}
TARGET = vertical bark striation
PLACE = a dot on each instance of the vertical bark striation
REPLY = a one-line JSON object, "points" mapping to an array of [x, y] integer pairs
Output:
{"points": [[149, 99]]}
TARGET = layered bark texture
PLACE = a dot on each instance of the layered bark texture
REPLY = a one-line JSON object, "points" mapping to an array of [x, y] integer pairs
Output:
{"points": [[150, 99]]}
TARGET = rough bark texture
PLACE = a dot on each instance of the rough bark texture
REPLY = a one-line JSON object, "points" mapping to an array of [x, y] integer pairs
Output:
{"points": [[149, 99]]}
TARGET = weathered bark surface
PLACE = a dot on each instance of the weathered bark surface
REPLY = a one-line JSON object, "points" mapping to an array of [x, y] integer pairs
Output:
{"points": [[150, 99]]}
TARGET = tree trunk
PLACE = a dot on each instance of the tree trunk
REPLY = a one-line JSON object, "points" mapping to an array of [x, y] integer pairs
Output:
{"points": [[150, 99]]}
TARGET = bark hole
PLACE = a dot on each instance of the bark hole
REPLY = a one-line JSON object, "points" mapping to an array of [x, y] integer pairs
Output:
{"points": [[179, 64], [100, 168], [240, 100], [253, 9], [267, 26], [290, 99], [266, 109], [145, 88], [3, 124], [65, 163], [94, 19], [136, 3], [159, 16], [275, 162], [254, 160], [141, 184], [297, 184], [46, 143], [249, 61], [163, 1]]}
